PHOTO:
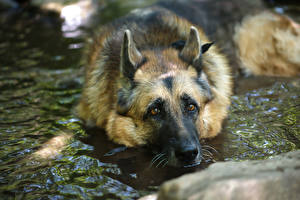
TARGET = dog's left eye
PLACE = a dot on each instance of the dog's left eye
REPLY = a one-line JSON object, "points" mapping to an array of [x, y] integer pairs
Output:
{"points": [[191, 107], [155, 111]]}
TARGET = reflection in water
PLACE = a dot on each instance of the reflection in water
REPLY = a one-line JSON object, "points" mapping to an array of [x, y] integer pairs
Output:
{"points": [[75, 16], [40, 83], [264, 122], [53, 147], [72, 17]]}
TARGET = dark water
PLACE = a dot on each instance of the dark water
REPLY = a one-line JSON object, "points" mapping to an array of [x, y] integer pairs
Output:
{"points": [[46, 153]]}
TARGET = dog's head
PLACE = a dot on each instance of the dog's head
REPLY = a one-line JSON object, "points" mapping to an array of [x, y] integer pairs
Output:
{"points": [[164, 92]]}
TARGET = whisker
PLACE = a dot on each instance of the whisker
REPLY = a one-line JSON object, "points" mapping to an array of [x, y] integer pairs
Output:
{"points": [[163, 160], [165, 163], [210, 147], [201, 156], [206, 151], [156, 158], [207, 155]]}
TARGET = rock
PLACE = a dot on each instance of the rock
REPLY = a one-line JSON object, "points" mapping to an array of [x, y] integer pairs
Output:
{"points": [[275, 178], [149, 197]]}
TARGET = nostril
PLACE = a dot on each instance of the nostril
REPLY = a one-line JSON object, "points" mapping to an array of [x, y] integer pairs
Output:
{"points": [[187, 154]]}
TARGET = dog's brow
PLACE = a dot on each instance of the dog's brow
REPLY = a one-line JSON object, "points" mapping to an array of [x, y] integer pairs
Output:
{"points": [[168, 82]]}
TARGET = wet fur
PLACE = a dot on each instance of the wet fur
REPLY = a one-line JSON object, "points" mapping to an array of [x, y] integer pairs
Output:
{"points": [[153, 31]]}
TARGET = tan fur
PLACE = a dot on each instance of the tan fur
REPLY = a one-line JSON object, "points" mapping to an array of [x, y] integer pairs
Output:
{"points": [[99, 98], [269, 44]]}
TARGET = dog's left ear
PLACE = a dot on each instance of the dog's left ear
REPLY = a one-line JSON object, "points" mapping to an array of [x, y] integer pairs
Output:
{"points": [[130, 56], [193, 50]]}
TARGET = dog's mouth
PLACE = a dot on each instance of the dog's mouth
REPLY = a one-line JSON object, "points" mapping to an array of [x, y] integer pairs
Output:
{"points": [[176, 162], [168, 158]]}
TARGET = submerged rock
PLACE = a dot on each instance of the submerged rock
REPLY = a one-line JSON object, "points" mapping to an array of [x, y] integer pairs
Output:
{"points": [[275, 178]]}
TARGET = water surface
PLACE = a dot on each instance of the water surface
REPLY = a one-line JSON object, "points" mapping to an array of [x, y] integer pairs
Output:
{"points": [[46, 153]]}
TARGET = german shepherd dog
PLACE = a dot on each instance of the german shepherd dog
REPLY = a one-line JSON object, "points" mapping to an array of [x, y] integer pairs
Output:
{"points": [[154, 78]]}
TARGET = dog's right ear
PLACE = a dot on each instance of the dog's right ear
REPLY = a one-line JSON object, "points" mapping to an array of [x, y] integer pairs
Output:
{"points": [[131, 57], [193, 49]]}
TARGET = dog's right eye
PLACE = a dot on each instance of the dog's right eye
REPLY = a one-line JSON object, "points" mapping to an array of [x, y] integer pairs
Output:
{"points": [[154, 111], [191, 107]]}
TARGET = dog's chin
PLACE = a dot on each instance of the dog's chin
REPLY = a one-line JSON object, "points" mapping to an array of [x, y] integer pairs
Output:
{"points": [[184, 165], [179, 164], [193, 164]]}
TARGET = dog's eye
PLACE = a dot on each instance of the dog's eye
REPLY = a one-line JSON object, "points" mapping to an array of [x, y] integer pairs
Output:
{"points": [[154, 111], [191, 107]]}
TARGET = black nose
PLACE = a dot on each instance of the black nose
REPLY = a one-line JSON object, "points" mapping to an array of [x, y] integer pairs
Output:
{"points": [[187, 154]]}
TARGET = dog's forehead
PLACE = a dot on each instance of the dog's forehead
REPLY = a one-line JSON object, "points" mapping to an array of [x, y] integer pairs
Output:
{"points": [[162, 60], [166, 75], [174, 84]]}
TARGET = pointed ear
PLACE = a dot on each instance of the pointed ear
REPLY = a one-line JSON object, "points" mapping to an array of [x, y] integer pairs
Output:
{"points": [[130, 56], [192, 50]]}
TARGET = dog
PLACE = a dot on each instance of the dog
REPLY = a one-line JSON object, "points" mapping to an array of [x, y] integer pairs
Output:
{"points": [[153, 78], [268, 44]]}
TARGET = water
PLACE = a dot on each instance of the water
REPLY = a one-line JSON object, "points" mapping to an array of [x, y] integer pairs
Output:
{"points": [[46, 153], [264, 122]]}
